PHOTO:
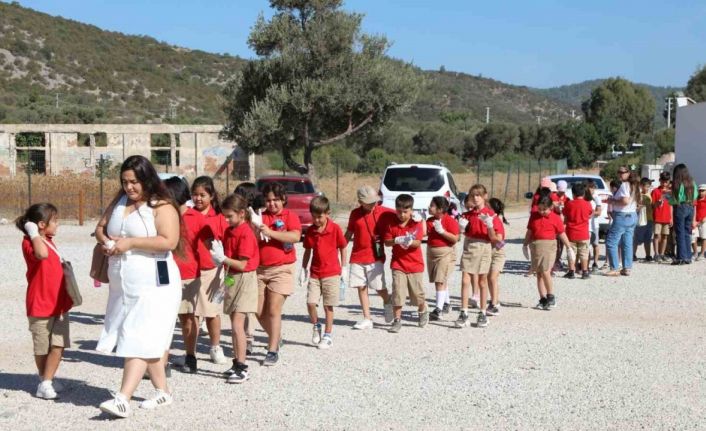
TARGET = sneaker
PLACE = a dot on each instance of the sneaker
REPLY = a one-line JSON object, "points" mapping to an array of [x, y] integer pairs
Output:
{"points": [[447, 308], [389, 313], [482, 320], [118, 406], [551, 302], [316, 334], [326, 342], [697, 258], [396, 326], [423, 318], [463, 320], [271, 359], [230, 371], [570, 275], [248, 348], [435, 315], [542, 304], [217, 356], [649, 259], [364, 324], [162, 399], [586, 275], [189, 365], [46, 391], [239, 374], [474, 302], [492, 310], [594, 268]]}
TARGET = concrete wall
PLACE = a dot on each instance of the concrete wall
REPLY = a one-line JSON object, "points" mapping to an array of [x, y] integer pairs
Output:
{"points": [[201, 151], [690, 139]]}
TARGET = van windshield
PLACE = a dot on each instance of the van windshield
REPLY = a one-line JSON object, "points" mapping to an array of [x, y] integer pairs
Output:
{"points": [[413, 179]]}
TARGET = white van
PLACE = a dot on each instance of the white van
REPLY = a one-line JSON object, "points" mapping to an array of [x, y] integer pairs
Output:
{"points": [[422, 182]]}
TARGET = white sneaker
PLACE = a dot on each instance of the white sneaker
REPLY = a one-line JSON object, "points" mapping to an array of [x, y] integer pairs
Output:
{"points": [[46, 391], [316, 335], [217, 356], [326, 342], [364, 324], [160, 400], [389, 313], [118, 406]]}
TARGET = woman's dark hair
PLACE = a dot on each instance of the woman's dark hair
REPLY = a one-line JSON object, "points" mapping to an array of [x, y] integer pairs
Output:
{"points": [[206, 183], [247, 190], [634, 180], [38, 212], [276, 189], [545, 201], [258, 202], [499, 207], [615, 184], [588, 184], [178, 189], [440, 202], [681, 177]]}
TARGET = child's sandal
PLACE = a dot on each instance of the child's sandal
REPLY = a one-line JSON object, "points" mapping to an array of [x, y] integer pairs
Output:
{"points": [[612, 274]]}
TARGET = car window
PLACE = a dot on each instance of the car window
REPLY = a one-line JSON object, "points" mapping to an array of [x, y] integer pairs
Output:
{"points": [[452, 184], [293, 187], [573, 180], [413, 179]]}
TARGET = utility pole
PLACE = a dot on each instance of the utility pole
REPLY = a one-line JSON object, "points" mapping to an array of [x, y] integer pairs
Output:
{"points": [[573, 114], [669, 112], [539, 120], [487, 114], [57, 100]]}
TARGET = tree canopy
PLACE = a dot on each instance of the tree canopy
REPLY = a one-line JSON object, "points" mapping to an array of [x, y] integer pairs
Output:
{"points": [[696, 87]]}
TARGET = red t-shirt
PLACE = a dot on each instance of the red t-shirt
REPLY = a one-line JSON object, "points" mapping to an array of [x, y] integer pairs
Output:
{"points": [[661, 214], [194, 223], [535, 199], [239, 242], [500, 230], [700, 209], [433, 238], [46, 293], [325, 246], [365, 227], [476, 229], [408, 261], [577, 216], [545, 227], [214, 228], [273, 252]]}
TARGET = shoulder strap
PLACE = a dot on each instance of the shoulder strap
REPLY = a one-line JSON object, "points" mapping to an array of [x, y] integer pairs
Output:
{"points": [[48, 244]]}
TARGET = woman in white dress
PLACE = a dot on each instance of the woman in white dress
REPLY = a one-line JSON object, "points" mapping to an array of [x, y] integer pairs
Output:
{"points": [[139, 231]]}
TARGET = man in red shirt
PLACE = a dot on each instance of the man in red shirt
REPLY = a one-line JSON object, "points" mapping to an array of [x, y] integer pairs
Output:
{"points": [[326, 240], [662, 215], [404, 234], [577, 216], [367, 262]]}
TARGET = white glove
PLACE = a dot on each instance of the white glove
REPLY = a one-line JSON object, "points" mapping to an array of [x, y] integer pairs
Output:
{"points": [[32, 229], [303, 277], [255, 217], [525, 251], [399, 240], [218, 255], [109, 244], [463, 224], [571, 254], [438, 227], [416, 217], [487, 219], [408, 239]]}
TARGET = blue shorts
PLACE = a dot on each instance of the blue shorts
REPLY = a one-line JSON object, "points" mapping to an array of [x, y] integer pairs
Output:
{"points": [[643, 234]]}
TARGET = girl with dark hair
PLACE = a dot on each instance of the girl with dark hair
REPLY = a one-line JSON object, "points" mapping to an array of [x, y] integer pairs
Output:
{"points": [[139, 231], [497, 258], [684, 194], [623, 206], [47, 301], [205, 199], [442, 236]]}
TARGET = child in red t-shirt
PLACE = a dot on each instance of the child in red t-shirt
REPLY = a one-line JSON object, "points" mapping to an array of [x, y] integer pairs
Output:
{"points": [[700, 219], [497, 257], [324, 243], [239, 253], [404, 234], [662, 216], [543, 229], [48, 302], [577, 216], [442, 235]]}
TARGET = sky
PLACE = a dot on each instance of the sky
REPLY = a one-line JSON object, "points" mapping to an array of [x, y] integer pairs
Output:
{"points": [[538, 43]]}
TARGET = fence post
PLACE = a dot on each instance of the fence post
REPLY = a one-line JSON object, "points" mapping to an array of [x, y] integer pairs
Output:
{"points": [[81, 205], [518, 181], [336, 180], [492, 178], [539, 163], [29, 179], [100, 181], [529, 175], [507, 182], [227, 177], [478, 171]]}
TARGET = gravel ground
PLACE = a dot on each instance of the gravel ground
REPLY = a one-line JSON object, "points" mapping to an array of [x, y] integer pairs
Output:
{"points": [[617, 353]]}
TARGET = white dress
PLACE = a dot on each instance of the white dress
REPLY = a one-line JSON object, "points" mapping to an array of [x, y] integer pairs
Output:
{"points": [[141, 314]]}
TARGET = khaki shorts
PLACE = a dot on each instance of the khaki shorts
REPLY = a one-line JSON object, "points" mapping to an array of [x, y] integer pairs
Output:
{"points": [[241, 297], [580, 248], [543, 253], [497, 260], [328, 288], [403, 284], [367, 275], [277, 278], [476, 256], [189, 295], [48, 332], [661, 229], [440, 263], [211, 280]]}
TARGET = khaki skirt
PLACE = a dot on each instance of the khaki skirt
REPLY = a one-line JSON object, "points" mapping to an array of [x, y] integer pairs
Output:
{"points": [[241, 297], [189, 295], [440, 263], [211, 280], [497, 260], [476, 256], [543, 254]]}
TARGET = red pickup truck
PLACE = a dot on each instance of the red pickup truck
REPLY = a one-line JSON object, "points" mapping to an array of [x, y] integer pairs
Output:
{"points": [[300, 192]]}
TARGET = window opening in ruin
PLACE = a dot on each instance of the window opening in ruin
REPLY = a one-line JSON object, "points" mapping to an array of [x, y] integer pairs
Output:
{"points": [[161, 151], [31, 152]]}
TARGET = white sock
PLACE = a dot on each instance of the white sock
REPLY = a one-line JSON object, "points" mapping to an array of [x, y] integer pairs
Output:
{"points": [[440, 297], [448, 297]]}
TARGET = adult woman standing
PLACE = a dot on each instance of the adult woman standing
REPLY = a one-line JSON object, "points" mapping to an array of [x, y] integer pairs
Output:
{"points": [[624, 205], [684, 194], [139, 230]]}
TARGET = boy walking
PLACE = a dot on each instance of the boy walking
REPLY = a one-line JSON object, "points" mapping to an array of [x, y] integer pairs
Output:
{"points": [[326, 240], [404, 234], [577, 216]]}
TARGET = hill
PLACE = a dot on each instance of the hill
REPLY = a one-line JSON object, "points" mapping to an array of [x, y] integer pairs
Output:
{"points": [[58, 70]]}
